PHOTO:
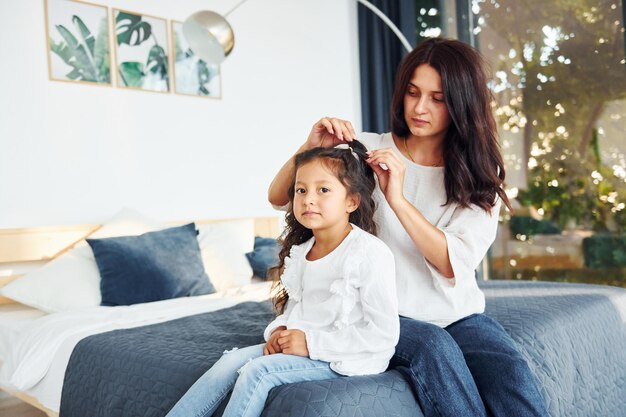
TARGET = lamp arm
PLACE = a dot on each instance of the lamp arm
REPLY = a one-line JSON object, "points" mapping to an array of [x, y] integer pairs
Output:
{"points": [[374, 9], [388, 22], [235, 8], [211, 37]]}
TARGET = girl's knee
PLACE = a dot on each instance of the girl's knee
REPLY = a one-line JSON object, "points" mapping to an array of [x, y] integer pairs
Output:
{"points": [[254, 369], [235, 358], [261, 368]]}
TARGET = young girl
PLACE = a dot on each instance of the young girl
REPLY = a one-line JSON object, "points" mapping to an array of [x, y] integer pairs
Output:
{"points": [[336, 295]]}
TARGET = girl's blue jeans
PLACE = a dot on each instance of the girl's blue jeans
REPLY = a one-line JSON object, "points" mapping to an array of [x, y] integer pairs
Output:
{"points": [[251, 377], [470, 368]]}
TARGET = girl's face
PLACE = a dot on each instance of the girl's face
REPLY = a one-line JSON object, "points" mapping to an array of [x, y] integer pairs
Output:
{"points": [[321, 201], [425, 111]]}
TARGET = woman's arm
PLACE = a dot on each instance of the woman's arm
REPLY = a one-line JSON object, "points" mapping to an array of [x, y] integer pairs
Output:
{"points": [[279, 187], [428, 239], [326, 132]]}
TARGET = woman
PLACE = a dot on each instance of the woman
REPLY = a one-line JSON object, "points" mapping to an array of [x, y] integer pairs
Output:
{"points": [[440, 176]]}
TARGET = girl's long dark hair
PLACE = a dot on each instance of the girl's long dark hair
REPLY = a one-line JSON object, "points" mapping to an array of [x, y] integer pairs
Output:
{"points": [[474, 169], [358, 178]]}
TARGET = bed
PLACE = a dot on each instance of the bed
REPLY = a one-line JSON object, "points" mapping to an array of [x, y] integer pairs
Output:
{"points": [[138, 360]]}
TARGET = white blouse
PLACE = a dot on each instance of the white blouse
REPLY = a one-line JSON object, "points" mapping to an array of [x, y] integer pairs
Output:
{"points": [[423, 293], [345, 303]]}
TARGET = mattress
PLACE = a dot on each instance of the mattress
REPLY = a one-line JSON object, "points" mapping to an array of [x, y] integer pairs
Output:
{"points": [[14, 319]]}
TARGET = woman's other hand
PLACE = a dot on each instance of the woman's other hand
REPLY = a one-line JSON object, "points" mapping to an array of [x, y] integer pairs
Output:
{"points": [[329, 132], [390, 172], [293, 342], [272, 346]]}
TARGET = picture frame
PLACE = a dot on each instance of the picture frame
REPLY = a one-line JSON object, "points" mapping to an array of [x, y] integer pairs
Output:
{"points": [[191, 75], [78, 42], [141, 51]]}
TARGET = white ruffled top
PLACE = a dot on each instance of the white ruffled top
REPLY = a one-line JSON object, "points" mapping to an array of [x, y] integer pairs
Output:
{"points": [[345, 303]]}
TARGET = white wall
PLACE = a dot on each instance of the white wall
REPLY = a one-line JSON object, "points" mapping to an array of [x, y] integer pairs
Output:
{"points": [[78, 153]]}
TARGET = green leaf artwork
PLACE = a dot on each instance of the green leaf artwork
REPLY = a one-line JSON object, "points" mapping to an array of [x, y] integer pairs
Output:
{"points": [[193, 75], [131, 29], [204, 76], [88, 56], [132, 73], [148, 68], [101, 51], [85, 33], [157, 61]]}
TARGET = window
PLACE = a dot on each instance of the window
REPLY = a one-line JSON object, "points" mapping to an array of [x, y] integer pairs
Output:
{"points": [[559, 82]]}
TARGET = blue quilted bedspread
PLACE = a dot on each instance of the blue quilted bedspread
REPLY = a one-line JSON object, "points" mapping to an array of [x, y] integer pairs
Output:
{"points": [[142, 372], [573, 336]]}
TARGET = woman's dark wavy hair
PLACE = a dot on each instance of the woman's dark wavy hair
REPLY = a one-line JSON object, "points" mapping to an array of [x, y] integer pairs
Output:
{"points": [[358, 178], [474, 169]]}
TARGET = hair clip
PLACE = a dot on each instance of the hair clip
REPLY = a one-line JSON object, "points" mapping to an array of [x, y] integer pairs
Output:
{"points": [[346, 146]]}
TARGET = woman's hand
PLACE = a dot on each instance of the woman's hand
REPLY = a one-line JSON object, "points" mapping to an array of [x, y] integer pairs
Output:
{"points": [[390, 172], [293, 342], [329, 132], [272, 346]]}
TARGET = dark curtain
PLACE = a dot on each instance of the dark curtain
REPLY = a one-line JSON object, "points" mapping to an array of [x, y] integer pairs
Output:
{"points": [[380, 53], [466, 21]]}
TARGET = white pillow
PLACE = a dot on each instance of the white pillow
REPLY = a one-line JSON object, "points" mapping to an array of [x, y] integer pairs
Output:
{"points": [[72, 280], [224, 246]]}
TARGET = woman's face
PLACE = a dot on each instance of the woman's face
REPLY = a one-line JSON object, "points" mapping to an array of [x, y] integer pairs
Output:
{"points": [[425, 111]]}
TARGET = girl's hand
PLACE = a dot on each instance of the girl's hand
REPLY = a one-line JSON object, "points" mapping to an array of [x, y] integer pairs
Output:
{"points": [[293, 342], [390, 180], [272, 346], [329, 132]]}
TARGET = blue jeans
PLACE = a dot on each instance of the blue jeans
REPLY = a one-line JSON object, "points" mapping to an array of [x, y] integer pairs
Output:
{"points": [[251, 376], [470, 368]]}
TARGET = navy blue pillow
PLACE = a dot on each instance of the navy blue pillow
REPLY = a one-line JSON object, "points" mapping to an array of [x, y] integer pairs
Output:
{"points": [[150, 267], [265, 255]]}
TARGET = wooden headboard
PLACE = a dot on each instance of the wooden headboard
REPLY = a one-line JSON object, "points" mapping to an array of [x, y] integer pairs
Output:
{"points": [[40, 244]]}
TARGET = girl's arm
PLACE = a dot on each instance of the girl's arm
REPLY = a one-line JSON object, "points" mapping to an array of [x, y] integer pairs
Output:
{"points": [[429, 240], [326, 132], [272, 346], [279, 321]]}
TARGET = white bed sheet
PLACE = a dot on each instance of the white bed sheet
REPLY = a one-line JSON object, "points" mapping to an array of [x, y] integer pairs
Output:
{"points": [[41, 350], [14, 318]]}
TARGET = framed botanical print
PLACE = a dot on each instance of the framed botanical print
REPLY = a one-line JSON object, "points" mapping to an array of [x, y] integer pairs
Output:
{"points": [[78, 42], [141, 52], [191, 75]]}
